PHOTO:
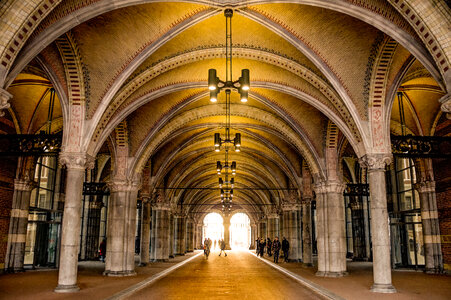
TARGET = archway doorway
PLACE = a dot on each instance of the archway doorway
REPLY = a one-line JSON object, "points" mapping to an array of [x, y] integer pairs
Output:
{"points": [[240, 231], [213, 228]]}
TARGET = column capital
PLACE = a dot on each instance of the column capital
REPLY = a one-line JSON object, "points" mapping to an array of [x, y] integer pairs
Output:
{"points": [[446, 105], [76, 160], [4, 101], [123, 186], [375, 162], [272, 216], [144, 197], [289, 206], [320, 187], [23, 185], [425, 186], [335, 187]]}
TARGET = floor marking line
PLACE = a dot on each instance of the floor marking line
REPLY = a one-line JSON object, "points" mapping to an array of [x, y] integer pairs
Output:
{"points": [[140, 285], [307, 283]]}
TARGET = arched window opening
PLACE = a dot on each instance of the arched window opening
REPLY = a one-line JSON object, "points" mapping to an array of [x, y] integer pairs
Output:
{"points": [[240, 231], [213, 228]]}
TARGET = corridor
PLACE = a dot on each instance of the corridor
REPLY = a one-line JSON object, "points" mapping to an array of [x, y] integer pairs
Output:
{"points": [[238, 276]]}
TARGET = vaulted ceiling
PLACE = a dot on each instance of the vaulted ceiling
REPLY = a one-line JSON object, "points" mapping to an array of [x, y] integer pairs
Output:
{"points": [[146, 65]]}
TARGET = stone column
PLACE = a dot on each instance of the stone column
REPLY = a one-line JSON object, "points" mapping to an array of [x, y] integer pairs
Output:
{"points": [[253, 235], [189, 236], [120, 256], [76, 164], [431, 229], [336, 231], [262, 229], [291, 230], [179, 234], [199, 236], [5, 97], [307, 257], [226, 223], [145, 230], [161, 232], [273, 226], [17, 234], [379, 222], [321, 228], [171, 234]]}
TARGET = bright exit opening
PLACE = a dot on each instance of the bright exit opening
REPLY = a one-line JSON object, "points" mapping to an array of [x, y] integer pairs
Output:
{"points": [[213, 228], [240, 231]]}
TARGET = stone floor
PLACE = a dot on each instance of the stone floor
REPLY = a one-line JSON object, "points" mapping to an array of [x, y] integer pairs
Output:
{"points": [[409, 284], [238, 276]]}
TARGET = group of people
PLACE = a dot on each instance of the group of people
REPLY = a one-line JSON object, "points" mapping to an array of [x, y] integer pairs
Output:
{"points": [[207, 247], [273, 247]]}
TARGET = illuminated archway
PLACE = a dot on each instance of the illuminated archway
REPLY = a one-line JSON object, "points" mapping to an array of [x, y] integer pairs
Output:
{"points": [[240, 231], [213, 228]]}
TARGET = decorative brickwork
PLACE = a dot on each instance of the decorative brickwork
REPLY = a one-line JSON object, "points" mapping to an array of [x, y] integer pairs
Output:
{"points": [[23, 17]]}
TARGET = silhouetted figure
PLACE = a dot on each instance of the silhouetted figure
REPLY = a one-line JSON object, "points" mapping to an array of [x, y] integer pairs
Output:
{"points": [[257, 245], [215, 245], [206, 248], [276, 248], [222, 245], [268, 246], [262, 247], [102, 250], [285, 249]]}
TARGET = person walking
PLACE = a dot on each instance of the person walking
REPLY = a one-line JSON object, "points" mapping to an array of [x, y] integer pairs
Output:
{"points": [[215, 245], [285, 249], [262, 247], [222, 246], [102, 250], [257, 245], [276, 248], [268, 247], [206, 248]]}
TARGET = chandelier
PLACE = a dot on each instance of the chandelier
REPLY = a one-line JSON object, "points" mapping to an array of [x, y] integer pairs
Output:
{"points": [[215, 85]]}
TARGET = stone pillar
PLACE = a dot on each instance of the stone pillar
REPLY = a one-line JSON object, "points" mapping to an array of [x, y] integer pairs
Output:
{"points": [[76, 164], [253, 235], [431, 229], [145, 230], [17, 234], [273, 226], [336, 230], [161, 232], [171, 234], [179, 234], [199, 236], [189, 236], [120, 256], [379, 222], [307, 257], [291, 230], [262, 229], [4, 101], [226, 222], [321, 228]]}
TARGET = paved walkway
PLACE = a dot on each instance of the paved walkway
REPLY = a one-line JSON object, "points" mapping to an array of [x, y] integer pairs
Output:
{"points": [[238, 276], [40, 284], [411, 285]]}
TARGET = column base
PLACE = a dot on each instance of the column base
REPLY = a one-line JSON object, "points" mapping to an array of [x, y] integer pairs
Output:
{"points": [[171, 256], [160, 260], [179, 254], [119, 273], [383, 288], [294, 260], [336, 274], [307, 265], [72, 288], [433, 271], [15, 270], [142, 264]]}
